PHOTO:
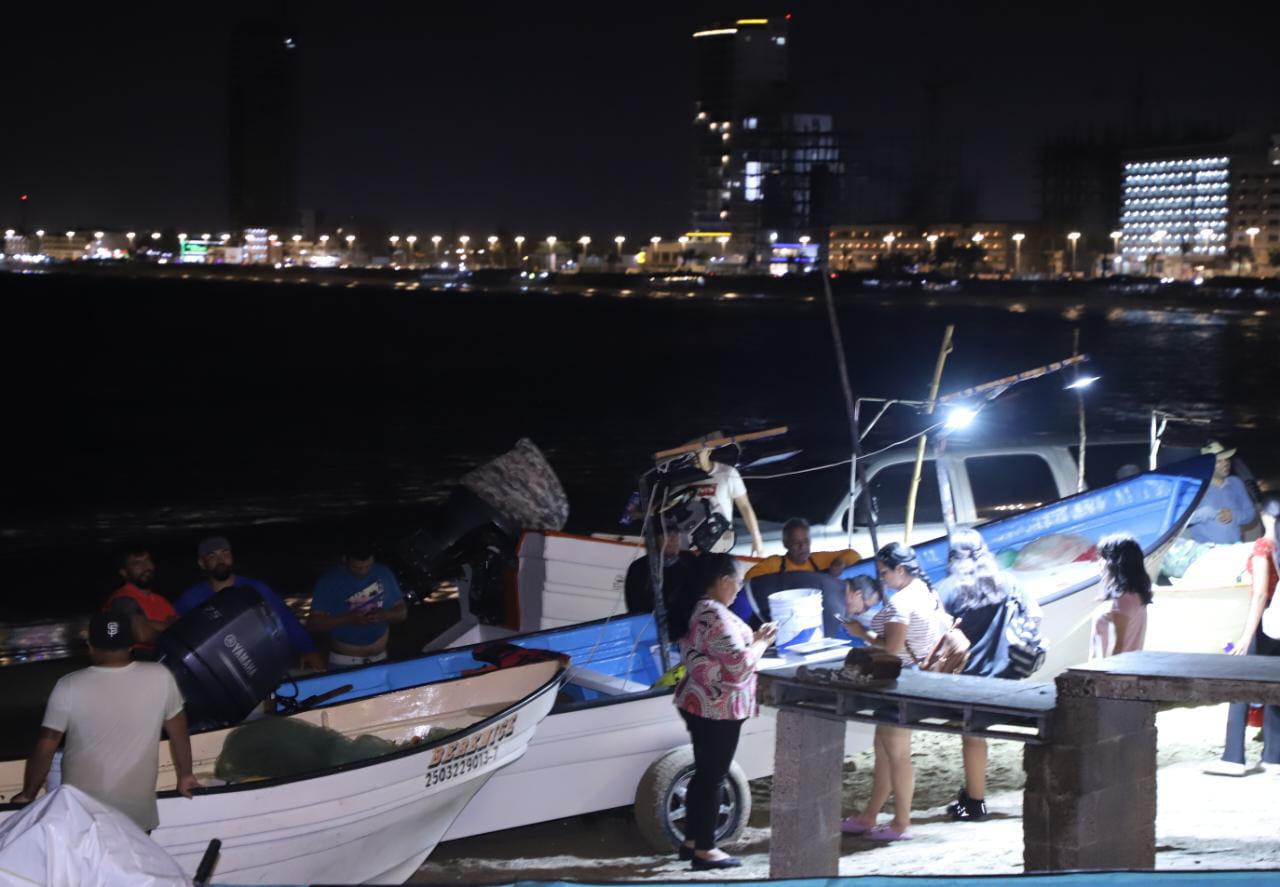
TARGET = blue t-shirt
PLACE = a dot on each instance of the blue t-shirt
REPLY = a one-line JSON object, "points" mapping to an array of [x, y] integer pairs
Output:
{"points": [[338, 592], [1204, 523], [298, 637]]}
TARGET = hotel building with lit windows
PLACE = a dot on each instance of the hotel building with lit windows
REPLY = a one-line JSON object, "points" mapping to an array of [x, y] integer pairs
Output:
{"points": [[765, 172], [864, 247], [1201, 205]]}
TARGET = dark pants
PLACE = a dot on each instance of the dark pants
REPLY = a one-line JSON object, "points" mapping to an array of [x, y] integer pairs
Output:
{"points": [[1238, 714], [714, 743]]}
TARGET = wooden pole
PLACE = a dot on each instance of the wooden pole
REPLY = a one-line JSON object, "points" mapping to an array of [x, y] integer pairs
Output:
{"points": [[713, 442], [914, 488], [1075, 352]]}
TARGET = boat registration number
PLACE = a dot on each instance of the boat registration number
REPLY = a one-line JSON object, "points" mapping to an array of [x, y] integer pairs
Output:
{"points": [[465, 755]]}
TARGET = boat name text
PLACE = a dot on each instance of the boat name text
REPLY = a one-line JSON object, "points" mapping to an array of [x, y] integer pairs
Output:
{"points": [[469, 745]]}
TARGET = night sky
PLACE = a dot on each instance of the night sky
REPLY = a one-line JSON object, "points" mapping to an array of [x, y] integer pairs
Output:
{"points": [[572, 118]]}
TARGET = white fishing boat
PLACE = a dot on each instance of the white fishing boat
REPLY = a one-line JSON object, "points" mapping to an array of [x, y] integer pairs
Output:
{"points": [[371, 821]]}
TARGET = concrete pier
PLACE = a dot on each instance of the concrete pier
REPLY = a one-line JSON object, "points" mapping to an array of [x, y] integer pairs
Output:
{"points": [[1090, 798]]}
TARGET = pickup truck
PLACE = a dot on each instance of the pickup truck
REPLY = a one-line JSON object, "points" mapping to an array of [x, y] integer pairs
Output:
{"points": [[988, 481]]}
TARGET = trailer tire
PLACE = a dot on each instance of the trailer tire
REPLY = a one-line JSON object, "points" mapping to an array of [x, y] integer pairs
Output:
{"points": [[660, 805]]}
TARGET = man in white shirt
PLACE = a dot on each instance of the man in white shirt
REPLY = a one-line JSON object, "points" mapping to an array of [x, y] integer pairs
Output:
{"points": [[723, 489], [111, 714]]}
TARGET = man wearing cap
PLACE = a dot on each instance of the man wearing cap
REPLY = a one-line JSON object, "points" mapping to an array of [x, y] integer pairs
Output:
{"points": [[213, 555], [1226, 507], [111, 714], [150, 611], [354, 604]]}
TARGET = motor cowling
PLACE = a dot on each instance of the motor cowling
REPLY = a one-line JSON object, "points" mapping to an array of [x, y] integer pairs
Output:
{"points": [[227, 655]]}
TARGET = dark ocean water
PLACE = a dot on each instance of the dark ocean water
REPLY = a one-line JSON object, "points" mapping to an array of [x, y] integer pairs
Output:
{"points": [[161, 409]]}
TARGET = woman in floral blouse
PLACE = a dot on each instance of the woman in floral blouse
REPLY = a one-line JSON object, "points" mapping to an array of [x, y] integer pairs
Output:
{"points": [[717, 693]]}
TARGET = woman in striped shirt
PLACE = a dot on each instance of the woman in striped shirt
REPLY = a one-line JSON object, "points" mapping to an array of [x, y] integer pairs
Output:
{"points": [[910, 623]]}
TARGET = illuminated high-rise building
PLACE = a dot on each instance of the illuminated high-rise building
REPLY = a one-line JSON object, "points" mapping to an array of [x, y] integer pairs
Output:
{"points": [[764, 172], [262, 126]]}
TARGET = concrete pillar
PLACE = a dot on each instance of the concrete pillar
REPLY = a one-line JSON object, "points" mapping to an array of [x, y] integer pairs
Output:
{"points": [[1090, 798], [806, 805]]}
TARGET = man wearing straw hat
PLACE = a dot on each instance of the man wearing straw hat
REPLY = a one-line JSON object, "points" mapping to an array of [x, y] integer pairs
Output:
{"points": [[1226, 508]]}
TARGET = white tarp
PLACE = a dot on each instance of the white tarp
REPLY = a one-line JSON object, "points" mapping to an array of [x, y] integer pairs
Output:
{"points": [[68, 839]]}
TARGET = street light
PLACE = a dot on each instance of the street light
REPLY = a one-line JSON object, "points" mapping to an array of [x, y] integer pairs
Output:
{"points": [[464, 240], [519, 239], [619, 240], [393, 239], [411, 240], [435, 245], [584, 241], [723, 240], [1074, 237], [1017, 252], [888, 241], [1252, 232], [978, 237], [155, 235], [1115, 251]]}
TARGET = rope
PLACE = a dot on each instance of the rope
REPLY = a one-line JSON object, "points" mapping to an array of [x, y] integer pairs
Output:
{"points": [[905, 440]]}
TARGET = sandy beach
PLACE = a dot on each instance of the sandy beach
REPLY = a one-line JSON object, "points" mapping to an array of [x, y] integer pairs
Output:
{"points": [[1204, 822]]}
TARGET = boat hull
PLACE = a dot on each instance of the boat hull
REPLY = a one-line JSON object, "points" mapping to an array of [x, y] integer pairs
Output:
{"points": [[371, 822]]}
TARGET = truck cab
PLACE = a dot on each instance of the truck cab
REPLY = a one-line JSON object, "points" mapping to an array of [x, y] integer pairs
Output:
{"points": [[988, 481]]}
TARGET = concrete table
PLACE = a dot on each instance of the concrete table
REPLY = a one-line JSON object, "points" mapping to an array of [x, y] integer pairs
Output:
{"points": [[809, 752], [1090, 798]]}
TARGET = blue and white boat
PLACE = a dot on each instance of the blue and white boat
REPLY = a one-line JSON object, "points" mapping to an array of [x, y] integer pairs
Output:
{"points": [[1153, 507], [612, 738]]}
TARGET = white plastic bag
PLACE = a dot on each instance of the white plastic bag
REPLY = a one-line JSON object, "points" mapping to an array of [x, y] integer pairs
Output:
{"points": [[68, 839], [1271, 618]]}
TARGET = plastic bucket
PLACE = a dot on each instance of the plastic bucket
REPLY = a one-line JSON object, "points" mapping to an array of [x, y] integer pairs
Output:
{"points": [[798, 614]]}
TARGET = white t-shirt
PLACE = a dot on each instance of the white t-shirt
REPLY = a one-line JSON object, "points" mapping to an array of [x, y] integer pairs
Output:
{"points": [[113, 719], [720, 489]]}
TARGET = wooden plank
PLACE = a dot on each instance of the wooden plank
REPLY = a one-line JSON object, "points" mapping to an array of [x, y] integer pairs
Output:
{"points": [[938, 703], [1013, 696]]}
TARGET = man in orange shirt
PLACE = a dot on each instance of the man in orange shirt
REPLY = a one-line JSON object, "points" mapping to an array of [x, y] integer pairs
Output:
{"points": [[800, 556], [150, 613]]}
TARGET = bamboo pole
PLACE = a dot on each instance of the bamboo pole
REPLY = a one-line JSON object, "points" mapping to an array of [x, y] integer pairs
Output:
{"points": [[914, 488], [1075, 352], [713, 442]]}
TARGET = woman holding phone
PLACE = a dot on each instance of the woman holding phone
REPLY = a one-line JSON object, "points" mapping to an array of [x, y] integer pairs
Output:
{"points": [[716, 695]]}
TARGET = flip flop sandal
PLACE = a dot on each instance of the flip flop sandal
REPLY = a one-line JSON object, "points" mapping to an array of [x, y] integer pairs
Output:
{"points": [[887, 833], [850, 826]]}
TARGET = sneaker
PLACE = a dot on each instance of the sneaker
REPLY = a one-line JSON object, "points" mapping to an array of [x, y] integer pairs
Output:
{"points": [[966, 809], [1270, 769], [1227, 768]]}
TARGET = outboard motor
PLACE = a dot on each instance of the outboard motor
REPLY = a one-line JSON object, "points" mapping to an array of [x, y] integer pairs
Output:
{"points": [[227, 655], [480, 524]]}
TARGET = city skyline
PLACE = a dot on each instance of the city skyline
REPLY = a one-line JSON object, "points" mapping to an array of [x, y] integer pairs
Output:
{"points": [[577, 120]]}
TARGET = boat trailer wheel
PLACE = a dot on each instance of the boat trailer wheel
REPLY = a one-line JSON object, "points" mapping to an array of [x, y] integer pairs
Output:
{"points": [[660, 801]]}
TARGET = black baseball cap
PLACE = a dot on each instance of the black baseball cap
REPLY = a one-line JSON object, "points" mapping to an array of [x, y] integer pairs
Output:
{"points": [[110, 631]]}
